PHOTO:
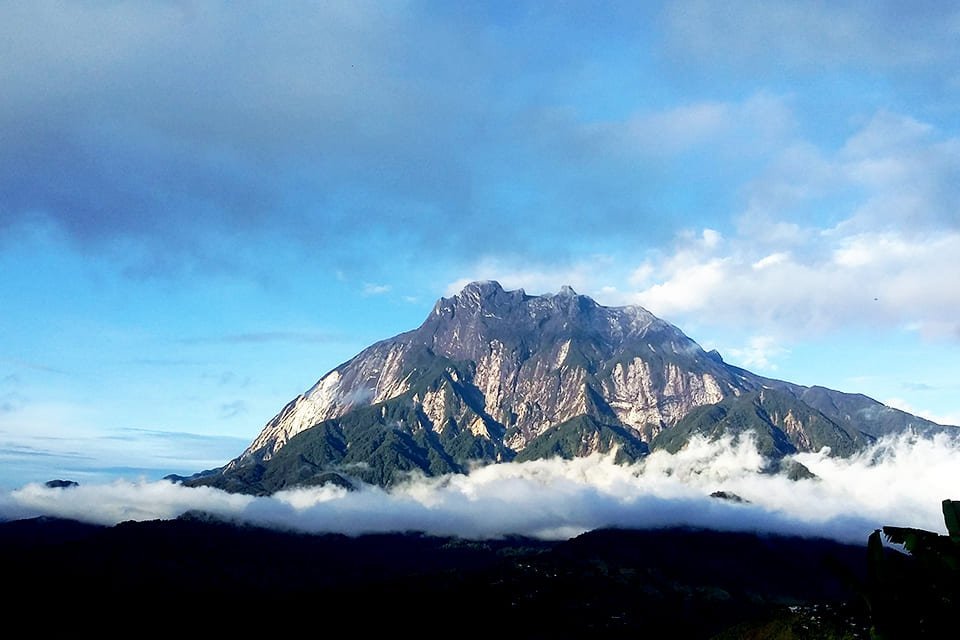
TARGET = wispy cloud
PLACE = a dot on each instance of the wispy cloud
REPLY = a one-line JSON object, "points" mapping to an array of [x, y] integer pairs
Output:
{"points": [[233, 409], [940, 418], [11, 401], [10, 451], [71, 441], [762, 118], [761, 352], [797, 34], [31, 366], [371, 289], [265, 337]]}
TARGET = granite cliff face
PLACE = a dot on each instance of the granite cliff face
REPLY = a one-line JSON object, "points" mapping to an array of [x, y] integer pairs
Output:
{"points": [[493, 375]]}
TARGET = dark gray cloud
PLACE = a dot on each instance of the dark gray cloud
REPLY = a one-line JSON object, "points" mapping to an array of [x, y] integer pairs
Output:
{"points": [[193, 138], [177, 134]]}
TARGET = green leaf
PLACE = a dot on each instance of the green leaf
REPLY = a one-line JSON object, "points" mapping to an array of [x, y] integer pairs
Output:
{"points": [[913, 540]]}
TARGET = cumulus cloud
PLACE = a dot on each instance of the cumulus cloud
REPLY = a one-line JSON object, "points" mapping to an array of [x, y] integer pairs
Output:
{"points": [[900, 481], [827, 239], [868, 279]]}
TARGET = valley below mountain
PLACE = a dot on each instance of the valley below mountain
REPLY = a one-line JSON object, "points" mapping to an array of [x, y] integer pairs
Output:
{"points": [[199, 574]]}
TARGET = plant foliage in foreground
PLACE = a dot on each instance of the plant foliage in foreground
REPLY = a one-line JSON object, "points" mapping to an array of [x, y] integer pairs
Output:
{"points": [[915, 595]]}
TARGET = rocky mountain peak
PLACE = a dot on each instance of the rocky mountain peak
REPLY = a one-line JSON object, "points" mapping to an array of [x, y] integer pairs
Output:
{"points": [[481, 288], [571, 303], [493, 375], [466, 325], [486, 295]]}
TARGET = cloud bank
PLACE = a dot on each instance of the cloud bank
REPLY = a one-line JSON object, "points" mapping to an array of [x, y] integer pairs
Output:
{"points": [[899, 481], [824, 239]]}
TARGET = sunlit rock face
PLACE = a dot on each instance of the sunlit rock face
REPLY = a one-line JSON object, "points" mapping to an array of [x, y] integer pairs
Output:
{"points": [[491, 374]]}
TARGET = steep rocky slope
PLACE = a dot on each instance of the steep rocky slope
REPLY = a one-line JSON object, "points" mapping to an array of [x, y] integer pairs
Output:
{"points": [[493, 376]]}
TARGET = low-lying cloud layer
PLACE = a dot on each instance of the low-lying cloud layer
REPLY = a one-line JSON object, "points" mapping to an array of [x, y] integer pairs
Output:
{"points": [[899, 481]]}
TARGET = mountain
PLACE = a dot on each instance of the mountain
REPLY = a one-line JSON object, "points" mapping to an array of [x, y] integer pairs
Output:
{"points": [[494, 376]]}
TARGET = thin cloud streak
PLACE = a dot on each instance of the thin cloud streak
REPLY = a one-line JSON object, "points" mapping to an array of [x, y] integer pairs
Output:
{"points": [[266, 337]]}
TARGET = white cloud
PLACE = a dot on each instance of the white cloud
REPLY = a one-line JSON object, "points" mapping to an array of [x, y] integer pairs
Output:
{"points": [[371, 289], [862, 236], [877, 249], [899, 481], [690, 286], [881, 258], [711, 238], [771, 260], [939, 418], [760, 353], [868, 279], [642, 274], [762, 118], [884, 134]]}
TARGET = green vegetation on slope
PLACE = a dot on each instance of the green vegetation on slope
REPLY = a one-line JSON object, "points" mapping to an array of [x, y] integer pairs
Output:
{"points": [[581, 435], [781, 423]]}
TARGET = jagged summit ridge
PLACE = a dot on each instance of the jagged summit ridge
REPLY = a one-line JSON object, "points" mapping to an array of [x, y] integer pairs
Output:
{"points": [[493, 375], [530, 356], [486, 305]]}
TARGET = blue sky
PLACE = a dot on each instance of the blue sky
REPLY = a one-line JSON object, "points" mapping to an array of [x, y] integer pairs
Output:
{"points": [[206, 206]]}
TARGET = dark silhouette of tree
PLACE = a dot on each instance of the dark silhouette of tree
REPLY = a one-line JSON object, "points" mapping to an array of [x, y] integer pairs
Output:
{"points": [[915, 594]]}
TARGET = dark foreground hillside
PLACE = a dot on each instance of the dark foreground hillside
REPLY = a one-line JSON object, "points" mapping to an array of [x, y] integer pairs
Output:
{"points": [[190, 575]]}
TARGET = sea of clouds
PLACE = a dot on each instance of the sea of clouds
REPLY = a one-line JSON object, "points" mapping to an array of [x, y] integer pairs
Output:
{"points": [[898, 481]]}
